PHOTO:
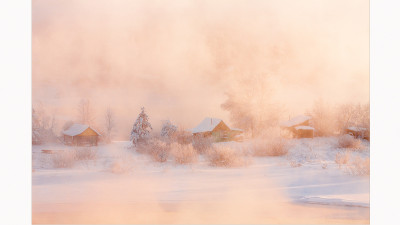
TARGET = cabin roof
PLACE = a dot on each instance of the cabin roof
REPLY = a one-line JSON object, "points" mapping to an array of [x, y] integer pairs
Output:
{"points": [[357, 129], [208, 124], [76, 129], [304, 128], [237, 129], [295, 121]]}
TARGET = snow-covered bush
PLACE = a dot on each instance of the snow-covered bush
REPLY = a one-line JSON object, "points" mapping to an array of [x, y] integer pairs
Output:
{"points": [[141, 128], [359, 166], [64, 159], [183, 137], [273, 147], [158, 150], [324, 164], [68, 158], [202, 144], [119, 162], [224, 156], [294, 163], [348, 141], [85, 154], [168, 129], [183, 153], [342, 158], [120, 166]]}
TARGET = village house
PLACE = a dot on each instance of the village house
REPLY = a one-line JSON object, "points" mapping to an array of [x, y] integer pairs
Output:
{"points": [[298, 127], [358, 132], [216, 128], [81, 135]]}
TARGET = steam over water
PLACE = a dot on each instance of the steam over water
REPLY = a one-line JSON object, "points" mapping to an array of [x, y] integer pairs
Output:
{"points": [[179, 58]]}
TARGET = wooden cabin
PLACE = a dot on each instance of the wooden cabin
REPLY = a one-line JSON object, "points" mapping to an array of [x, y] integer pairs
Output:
{"points": [[212, 127], [236, 134], [81, 135], [358, 132], [304, 132], [298, 127]]}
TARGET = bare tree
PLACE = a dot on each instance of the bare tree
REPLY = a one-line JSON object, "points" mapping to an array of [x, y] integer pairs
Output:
{"points": [[36, 134], [67, 125], [365, 116], [353, 115], [346, 116], [323, 118], [251, 105], [110, 125], [43, 126], [86, 115]]}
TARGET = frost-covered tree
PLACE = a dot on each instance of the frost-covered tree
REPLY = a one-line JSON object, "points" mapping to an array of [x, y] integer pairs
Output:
{"points": [[85, 112], [168, 129], [109, 125], [251, 104], [43, 127], [352, 115], [323, 118], [141, 128], [36, 128]]}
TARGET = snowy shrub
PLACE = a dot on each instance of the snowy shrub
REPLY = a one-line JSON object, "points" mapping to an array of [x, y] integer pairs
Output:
{"points": [[324, 164], [120, 166], [342, 158], [223, 156], [68, 158], [85, 154], [144, 146], [64, 159], [158, 150], [348, 141], [116, 167], [359, 166], [182, 137], [119, 162], [202, 144], [168, 129], [294, 163], [274, 147], [183, 153]]}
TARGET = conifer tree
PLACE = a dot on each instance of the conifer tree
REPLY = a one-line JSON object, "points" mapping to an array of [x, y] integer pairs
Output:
{"points": [[141, 128]]}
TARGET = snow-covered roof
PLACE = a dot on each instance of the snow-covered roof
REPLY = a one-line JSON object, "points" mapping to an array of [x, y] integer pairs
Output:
{"points": [[237, 129], [295, 121], [304, 128], [208, 124], [357, 129], [76, 129]]}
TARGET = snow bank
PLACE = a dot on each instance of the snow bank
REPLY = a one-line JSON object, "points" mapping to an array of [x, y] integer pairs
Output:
{"points": [[338, 200]]}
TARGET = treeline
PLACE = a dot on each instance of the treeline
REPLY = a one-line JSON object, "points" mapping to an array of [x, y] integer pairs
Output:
{"points": [[334, 119], [45, 128], [327, 119]]}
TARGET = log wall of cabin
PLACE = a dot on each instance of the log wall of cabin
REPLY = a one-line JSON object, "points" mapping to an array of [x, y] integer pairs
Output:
{"points": [[88, 132]]}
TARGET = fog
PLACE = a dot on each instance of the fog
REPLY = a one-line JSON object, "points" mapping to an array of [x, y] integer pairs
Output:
{"points": [[178, 59]]}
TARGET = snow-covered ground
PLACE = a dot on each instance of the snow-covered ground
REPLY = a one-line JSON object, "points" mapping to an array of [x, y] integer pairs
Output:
{"points": [[121, 186]]}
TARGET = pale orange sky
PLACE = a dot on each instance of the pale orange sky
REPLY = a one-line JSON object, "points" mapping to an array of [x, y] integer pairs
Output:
{"points": [[178, 58]]}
